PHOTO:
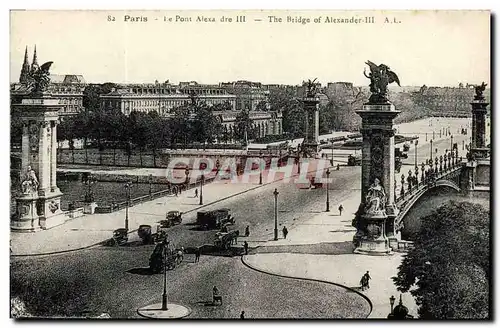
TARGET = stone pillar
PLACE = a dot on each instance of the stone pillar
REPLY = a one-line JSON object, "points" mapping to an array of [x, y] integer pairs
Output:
{"points": [[39, 205], [375, 217], [311, 138], [479, 110], [53, 160]]}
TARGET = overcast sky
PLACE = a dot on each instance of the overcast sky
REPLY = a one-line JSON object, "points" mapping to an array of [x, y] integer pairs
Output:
{"points": [[432, 48]]}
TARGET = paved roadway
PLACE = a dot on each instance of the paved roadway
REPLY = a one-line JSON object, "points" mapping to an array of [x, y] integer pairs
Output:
{"points": [[111, 279]]}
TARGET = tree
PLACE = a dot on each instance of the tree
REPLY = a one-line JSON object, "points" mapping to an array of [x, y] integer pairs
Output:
{"points": [[449, 264], [91, 95], [204, 125], [243, 127], [139, 130]]}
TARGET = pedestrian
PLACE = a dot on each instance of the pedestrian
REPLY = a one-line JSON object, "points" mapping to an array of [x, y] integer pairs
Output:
{"points": [[285, 232], [367, 279], [215, 292], [197, 254], [338, 167], [245, 246], [176, 191], [242, 315], [247, 231], [196, 193], [341, 208]]}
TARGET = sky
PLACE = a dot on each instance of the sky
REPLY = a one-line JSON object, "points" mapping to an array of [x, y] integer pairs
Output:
{"points": [[436, 48]]}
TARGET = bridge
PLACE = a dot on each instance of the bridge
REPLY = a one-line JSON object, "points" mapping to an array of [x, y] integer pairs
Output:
{"points": [[444, 171]]}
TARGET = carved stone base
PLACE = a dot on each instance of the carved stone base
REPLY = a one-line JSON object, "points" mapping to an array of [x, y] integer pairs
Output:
{"points": [[26, 218], [50, 211], [374, 247], [371, 238], [480, 153]]}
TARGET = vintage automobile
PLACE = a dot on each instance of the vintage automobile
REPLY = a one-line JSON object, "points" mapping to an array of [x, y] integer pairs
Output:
{"points": [[215, 219], [173, 218], [354, 160], [120, 237]]}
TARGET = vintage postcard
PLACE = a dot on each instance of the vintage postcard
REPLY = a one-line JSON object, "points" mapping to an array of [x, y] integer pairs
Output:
{"points": [[250, 164]]}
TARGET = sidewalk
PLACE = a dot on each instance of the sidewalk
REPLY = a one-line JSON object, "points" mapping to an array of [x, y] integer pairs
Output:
{"points": [[321, 249]]}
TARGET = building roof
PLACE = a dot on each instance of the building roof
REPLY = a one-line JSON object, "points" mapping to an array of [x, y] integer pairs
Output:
{"points": [[67, 79]]}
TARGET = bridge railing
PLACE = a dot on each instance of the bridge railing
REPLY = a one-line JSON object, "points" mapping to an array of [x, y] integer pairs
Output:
{"points": [[426, 175]]}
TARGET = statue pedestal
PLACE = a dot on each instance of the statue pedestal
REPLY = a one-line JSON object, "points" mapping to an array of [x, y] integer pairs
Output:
{"points": [[26, 218], [89, 208], [373, 241], [50, 211]]}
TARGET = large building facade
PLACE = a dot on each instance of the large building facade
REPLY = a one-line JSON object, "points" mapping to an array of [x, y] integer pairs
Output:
{"points": [[67, 88], [448, 101], [250, 96], [164, 97]]}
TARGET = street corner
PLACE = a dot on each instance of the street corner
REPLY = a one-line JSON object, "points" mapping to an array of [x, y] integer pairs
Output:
{"points": [[172, 311]]}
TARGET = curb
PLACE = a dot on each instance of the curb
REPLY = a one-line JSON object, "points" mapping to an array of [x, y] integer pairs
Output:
{"points": [[189, 311], [132, 231], [310, 279]]}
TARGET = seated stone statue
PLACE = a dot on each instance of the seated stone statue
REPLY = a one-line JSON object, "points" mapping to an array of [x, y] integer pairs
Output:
{"points": [[375, 199], [30, 183]]}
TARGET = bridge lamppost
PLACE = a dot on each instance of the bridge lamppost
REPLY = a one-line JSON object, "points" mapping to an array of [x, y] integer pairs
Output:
{"points": [[260, 167], [164, 301], [150, 180], [327, 193], [201, 188], [416, 144], [451, 146], [128, 185], [431, 149], [275, 193]]}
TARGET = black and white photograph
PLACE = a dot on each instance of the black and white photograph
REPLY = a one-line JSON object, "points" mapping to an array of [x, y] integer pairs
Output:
{"points": [[250, 164]]}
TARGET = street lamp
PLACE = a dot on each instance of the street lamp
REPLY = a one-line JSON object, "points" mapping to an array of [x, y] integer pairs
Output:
{"points": [[416, 144], [150, 179], [451, 148], [201, 189], [164, 301], [128, 185], [275, 193], [260, 167], [327, 187], [431, 149], [89, 195], [392, 300]]}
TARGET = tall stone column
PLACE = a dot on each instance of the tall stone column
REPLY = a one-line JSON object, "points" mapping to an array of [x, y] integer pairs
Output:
{"points": [[376, 214], [39, 206], [53, 161], [311, 138], [479, 110]]}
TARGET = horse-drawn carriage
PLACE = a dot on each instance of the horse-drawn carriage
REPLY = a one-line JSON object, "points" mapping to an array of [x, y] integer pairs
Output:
{"points": [[214, 219], [224, 240], [164, 251]]}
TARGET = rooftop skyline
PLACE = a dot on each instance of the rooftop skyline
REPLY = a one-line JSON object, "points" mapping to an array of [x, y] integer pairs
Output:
{"points": [[432, 48]]}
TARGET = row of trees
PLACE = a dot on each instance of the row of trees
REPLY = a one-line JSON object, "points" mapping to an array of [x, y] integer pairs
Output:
{"points": [[448, 270]]}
